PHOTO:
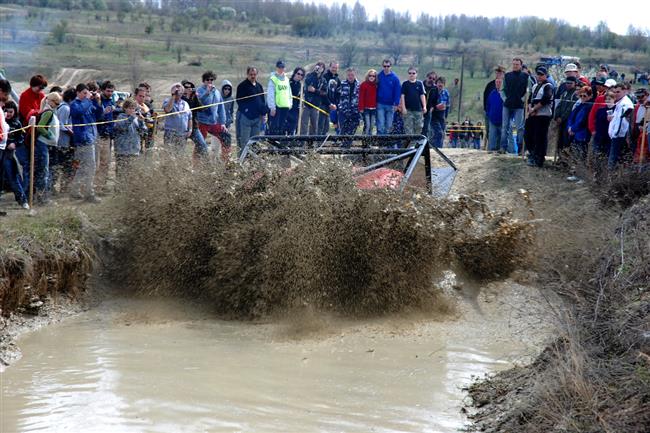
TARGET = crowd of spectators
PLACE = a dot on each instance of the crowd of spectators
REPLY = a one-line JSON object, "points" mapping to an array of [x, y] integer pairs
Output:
{"points": [[81, 131]]}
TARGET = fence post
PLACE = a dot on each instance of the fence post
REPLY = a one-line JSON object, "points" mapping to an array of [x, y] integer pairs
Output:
{"points": [[32, 124]]}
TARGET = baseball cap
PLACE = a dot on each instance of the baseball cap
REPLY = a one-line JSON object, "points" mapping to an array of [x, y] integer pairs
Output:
{"points": [[541, 70], [610, 83], [279, 64], [176, 85], [571, 67], [641, 91]]}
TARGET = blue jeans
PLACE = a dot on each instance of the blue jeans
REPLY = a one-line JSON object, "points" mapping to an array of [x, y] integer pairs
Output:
{"points": [[200, 146], [41, 168], [10, 173], [369, 119], [438, 131], [618, 143], [22, 154], [511, 115], [494, 137], [385, 115]]}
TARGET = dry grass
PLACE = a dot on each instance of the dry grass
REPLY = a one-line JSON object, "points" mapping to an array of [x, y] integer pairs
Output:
{"points": [[596, 376]]}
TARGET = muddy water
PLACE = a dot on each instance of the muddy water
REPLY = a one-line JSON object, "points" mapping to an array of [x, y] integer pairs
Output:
{"points": [[154, 367]]}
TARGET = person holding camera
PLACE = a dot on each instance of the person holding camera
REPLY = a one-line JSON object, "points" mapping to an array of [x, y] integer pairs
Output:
{"points": [[178, 122], [84, 111]]}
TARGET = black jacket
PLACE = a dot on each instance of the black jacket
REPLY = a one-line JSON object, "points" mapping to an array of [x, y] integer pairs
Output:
{"points": [[515, 85], [251, 107]]}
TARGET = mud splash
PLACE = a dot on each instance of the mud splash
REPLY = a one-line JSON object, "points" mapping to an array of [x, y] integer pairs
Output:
{"points": [[259, 240]]}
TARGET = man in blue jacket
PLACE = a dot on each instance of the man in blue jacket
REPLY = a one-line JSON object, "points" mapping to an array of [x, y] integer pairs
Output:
{"points": [[389, 92], [85, 109]]}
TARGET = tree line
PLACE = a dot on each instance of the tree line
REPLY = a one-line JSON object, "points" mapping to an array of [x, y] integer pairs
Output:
{"points": [[319, 20]]}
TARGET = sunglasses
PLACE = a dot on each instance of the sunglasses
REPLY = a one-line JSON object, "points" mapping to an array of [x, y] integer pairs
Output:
{"points": [[412, 73], [386, 66], [300, 74]]}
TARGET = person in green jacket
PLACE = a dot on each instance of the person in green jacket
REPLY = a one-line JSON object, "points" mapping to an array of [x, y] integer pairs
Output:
{"points": [[47, 134], [279, 100]]}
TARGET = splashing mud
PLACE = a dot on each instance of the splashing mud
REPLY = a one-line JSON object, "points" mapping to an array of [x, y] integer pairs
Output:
{"points": [[258, 240]]}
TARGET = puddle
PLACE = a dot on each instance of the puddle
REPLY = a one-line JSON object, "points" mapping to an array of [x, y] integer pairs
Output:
{"points": [[122, 368]]}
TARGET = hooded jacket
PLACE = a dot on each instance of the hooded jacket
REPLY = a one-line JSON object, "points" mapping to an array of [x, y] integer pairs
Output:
{"points": [[389, 89], [215, 114], [229, 100], [83, 112]]}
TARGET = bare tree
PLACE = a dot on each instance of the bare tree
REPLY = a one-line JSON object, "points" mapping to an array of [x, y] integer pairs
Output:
{"points": [[136, 69], [348, 52], [395, 47]]}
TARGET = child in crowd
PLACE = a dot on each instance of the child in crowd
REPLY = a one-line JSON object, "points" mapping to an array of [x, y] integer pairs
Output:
{"points": [[15, 140], [128, 129]]}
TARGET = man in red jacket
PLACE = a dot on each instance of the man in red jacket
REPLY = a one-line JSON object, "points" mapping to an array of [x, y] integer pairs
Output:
{"points": [[31, 98], [602, 85]]}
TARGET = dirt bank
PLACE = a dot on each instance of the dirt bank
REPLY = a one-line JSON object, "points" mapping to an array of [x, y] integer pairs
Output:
{"points": [[594, 376], [45, 261]]}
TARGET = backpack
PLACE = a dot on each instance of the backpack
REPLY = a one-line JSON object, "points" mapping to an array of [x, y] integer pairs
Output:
{"points": [[54, 129]]}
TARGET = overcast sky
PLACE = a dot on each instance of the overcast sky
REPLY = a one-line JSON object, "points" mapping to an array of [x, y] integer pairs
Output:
{"points": [[579, 13]]}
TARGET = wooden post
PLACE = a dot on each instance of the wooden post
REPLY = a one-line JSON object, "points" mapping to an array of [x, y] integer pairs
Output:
{"points": [[300, 108], [32, 124]]}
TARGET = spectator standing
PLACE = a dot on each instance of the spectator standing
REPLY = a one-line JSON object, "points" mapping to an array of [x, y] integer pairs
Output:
{"points": [[619, 125], [295, 82], [330, 86], [30, 99], [577, 123], [494, 110], [499, 72], [565, 99], [599, 86], [128, 131], [348, 108], [389, 92], [602, 142], [637, 128], [515, 85], [178, 122], [278, 100], [310, 113], [84, 110], [189, 96], [429, 89], [105, 132], [212, 118], [12, 139], [251, 107], [228, 101], [368, 101], [61, 170], [413, 103], [438, 112], [539, 118], [47, 135]]}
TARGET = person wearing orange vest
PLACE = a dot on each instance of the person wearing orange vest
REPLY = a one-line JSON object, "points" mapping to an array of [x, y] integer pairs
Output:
{"points": [[279, 100]]}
